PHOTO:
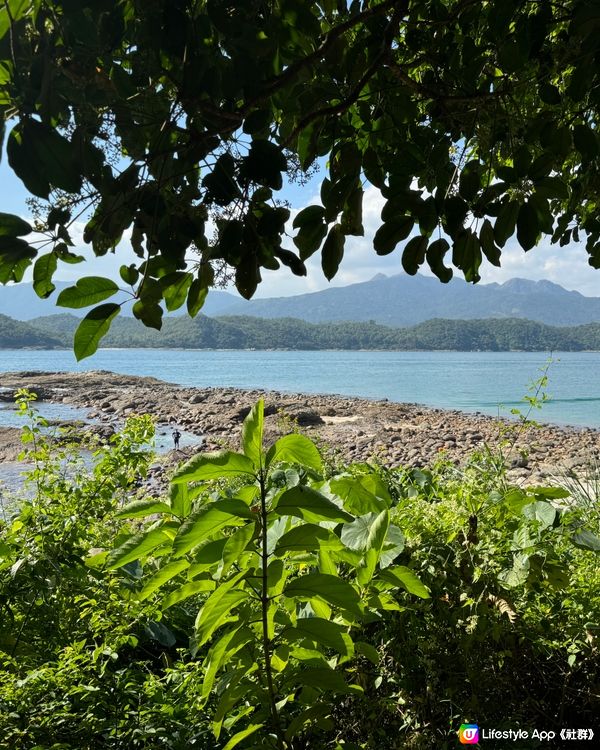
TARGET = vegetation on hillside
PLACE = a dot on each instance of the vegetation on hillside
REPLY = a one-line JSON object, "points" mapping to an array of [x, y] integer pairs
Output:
{"points": [[162, 120], [271, 600], [238, 332]]}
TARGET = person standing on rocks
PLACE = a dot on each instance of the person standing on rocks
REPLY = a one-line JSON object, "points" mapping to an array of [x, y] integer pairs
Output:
{"points": [[176, 436]]}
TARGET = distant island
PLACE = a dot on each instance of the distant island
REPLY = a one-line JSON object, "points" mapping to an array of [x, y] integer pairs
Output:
{"points": [[243, 332]]}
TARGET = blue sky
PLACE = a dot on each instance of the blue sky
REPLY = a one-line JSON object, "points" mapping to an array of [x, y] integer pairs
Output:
{"points": [[564, 265]]}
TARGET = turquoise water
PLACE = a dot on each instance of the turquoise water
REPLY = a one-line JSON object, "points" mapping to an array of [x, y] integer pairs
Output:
{"points": [[470, 381]]}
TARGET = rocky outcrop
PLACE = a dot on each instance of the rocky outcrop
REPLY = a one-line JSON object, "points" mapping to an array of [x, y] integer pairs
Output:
{"points": [[349, 429]]}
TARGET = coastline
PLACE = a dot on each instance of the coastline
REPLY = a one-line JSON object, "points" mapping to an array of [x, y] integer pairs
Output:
{"points": [[348, 428]]}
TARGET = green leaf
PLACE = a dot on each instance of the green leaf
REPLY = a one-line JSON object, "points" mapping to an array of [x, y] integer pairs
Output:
{"points": [[552, 187], [15, 258], [14, 226], [366, 531], [309, 216], [181, 503], [325, 679], [504, 228], [87, 291], [586, 540], [357, 498], [323, 633], [413, 255], [528, 229], [229, 644], [394, 544], [391, 233], [333, 251], [234, 546], [136, 547], [202, 524], [142, 509], [488, 244], [188, 590], [217, 465], [307, 537], [435, 258], [218, 608], [166, 573], [586, 141], [368, 651], [405, 577], [542, 512], [241, 735], [325, 587], [196, 297], [93, 328], [294, 449], [43, 270], [252, 434], [309, 505], [175, 288]]}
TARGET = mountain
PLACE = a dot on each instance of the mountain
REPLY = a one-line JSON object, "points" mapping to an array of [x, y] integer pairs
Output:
{"points": [[403, 300], [20, 302], [396, 301], [15, 334]]}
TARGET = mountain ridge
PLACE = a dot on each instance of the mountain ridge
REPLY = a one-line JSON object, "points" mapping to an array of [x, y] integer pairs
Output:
{"points": [[397, 301]]}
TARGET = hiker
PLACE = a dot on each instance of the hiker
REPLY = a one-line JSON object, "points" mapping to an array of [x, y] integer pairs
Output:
{"points": [[176, 436]]}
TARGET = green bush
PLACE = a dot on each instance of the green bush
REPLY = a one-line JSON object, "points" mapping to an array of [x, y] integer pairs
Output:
{"points": [[265, 602]]}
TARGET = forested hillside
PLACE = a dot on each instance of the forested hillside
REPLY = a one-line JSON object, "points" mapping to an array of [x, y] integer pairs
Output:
{"points": [[237, 332]]}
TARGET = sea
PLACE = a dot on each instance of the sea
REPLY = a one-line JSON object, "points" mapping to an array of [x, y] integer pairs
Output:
{"points": [[488, 382]]}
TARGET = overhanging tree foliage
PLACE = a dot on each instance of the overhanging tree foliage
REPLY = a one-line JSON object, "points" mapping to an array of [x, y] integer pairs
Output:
{"points": [[178, 122]]}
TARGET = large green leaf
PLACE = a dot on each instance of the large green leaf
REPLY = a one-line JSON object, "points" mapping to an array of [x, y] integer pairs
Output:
{"points": [[164, 574], [179, 497], [218, 608], [586, 539], [227, 645], [93, 328], [205, 522], [362, 533], [252, 434], [193, 588], [142, 509], [357, 498], [14, 226], [87, 291], [325, 587], [309, 505], [218, 465], [307, 537], [322, 632], [15, 258], [294, 449], [333, 251], [391, 233], [241, 735], [406, 578], [43, 270], [137, 547]]}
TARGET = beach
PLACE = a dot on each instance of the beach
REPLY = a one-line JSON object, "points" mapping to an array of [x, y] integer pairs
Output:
{"points": [[346, 429]]}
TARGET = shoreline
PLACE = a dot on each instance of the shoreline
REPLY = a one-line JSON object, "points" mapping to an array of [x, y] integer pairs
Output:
{"points": [[348, 428]]}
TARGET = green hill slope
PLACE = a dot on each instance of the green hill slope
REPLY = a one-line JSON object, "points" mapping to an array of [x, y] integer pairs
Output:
{"points": [[241, 332]]}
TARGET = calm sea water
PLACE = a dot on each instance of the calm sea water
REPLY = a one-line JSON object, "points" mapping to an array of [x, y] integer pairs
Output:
{"points": [[471, 381]]}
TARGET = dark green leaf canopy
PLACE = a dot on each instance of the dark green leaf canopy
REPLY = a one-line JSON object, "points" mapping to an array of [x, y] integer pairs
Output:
{"points": [[476, 120]]}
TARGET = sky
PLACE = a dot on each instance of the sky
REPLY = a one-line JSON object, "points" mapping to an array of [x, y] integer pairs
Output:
{"points": [[566, 266]]}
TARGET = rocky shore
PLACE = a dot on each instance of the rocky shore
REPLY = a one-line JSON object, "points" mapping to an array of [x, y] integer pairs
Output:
{"points": [[347, 429]]}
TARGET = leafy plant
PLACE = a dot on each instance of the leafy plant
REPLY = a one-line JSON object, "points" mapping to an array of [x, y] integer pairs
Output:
{"points": [[291, 568]]}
